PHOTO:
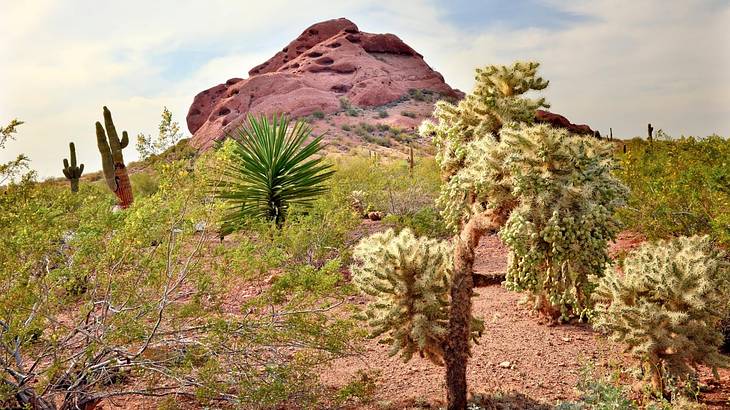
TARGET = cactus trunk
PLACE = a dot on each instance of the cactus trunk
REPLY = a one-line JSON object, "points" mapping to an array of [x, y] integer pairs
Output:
{"points": [[71, 171], [112, 160], [462, 283], [124, 186]]}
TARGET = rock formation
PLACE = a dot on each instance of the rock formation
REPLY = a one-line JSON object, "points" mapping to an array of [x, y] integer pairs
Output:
{"points": [[558, 121], [329, 61]]}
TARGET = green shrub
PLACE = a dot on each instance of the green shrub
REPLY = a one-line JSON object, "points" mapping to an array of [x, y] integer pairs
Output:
{"points": [[667, 305], [346, 127], [599, 394], [409, 114], [678, 187], [319, 114], [376, 139], [426, 221], [345, 103], [144, 183], [382, 113]]}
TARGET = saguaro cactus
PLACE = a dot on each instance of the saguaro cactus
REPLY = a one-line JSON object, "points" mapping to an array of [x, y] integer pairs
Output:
{"points": [[112, 161], [72, 172]]}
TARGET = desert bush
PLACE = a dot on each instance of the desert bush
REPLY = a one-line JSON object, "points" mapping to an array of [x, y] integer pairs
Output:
{"points": [[375, 139], [98, 304], [599, 393], [382, 113], [667, 305], [388, 186], [678, 187], [144, 183], [426, 221], [269, 168], [319, 114], [409, 114]]}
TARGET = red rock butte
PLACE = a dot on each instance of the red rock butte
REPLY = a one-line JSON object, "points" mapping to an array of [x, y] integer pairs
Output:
{"points": [[328, 61]]}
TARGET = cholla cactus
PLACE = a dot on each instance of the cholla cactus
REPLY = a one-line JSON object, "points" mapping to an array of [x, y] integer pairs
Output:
{"points": [[667, 306], [558, 234], [409, 277], [497, 99], [564, 198]]}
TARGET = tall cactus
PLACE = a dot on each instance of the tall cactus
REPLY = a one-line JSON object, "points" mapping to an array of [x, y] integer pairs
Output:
{"points": [[112, 160], [72, 172]]}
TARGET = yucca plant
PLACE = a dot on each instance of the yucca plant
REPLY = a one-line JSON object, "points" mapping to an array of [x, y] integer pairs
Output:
{"points": [[270, 167]]}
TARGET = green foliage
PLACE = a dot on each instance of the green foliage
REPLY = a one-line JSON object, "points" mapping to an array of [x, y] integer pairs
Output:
{"points": [[409, 278], [382, 113], [426, 221], [409, 114], [678, 187], [144, 183], [72, 172], [599, 394], [666, 306], [319, 114], [6, 132], [388, 186], [12, 169], [154, 290], [270, 168], [168, 136]]}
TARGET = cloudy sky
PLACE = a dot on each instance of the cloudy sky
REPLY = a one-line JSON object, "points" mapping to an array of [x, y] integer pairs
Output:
{"points": [[611, 63]]}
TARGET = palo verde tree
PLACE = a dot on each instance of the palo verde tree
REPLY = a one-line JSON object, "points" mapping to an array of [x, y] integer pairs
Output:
{"points": [[11, 169], [169, 134], [666, 306], [501, 170]]}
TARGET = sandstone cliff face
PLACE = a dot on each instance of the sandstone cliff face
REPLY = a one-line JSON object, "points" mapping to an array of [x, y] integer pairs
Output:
{"points": [[328, 61]]}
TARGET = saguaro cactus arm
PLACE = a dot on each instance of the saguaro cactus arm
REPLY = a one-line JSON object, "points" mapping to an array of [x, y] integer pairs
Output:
{"points": [[72, 172]]}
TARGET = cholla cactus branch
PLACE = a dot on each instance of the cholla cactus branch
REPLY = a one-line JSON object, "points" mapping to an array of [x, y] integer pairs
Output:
{"points": [[410, 280], [667, 306], [72, 172]]}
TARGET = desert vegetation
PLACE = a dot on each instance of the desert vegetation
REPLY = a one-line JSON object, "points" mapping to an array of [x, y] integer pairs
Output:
{"points": [[242, 276]]}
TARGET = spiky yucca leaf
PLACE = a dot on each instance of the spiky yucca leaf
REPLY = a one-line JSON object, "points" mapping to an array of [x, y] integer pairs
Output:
{"points": [[270, 168]]}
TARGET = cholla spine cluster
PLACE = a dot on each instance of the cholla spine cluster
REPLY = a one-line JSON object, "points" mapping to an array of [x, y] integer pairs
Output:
{"points": [[497, 99], [667, 305], [409, 278], [558, 234]]}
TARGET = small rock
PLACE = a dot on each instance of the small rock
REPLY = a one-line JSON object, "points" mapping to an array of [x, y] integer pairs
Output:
{"points": [[505, 364], [566, 339]]}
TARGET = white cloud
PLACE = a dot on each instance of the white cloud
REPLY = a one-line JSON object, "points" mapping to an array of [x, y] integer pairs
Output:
{"points": [[625, 64]]}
